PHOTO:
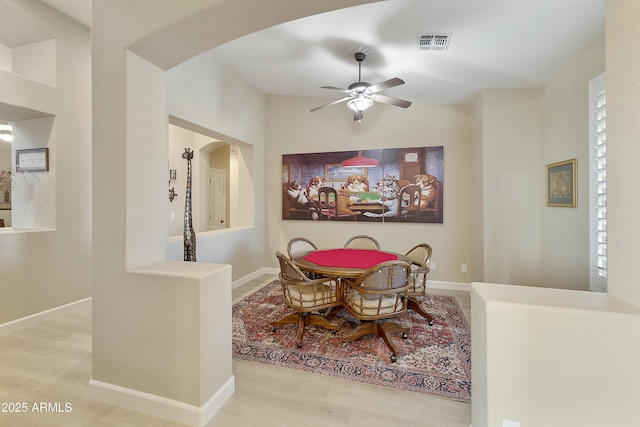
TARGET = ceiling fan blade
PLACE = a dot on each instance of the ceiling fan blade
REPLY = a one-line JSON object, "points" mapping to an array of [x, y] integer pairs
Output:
{"points": [[392, 101], [335, 88], [385, 85], [337, 101]]}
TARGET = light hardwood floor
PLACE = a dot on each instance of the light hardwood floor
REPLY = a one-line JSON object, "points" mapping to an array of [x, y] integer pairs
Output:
{"points": [[50, 363]]}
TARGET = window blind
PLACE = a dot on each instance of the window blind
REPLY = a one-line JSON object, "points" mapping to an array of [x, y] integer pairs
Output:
{"points": [[599, 181]]}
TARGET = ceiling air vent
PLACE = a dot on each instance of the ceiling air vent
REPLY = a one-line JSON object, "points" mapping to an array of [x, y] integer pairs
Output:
{"points": [[432, 41]]}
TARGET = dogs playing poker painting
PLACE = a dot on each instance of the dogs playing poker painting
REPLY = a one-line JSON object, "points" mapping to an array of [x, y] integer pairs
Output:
{"points": [[380, 185]]}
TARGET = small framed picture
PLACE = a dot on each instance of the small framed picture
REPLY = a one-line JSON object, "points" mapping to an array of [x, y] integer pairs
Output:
{"points": [[172, 174], [561, 184], [32, 160]]}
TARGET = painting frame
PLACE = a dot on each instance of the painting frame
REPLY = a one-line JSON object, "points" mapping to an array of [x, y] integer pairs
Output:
{"points": [[369, 190], [32, 160], [561, 184]]}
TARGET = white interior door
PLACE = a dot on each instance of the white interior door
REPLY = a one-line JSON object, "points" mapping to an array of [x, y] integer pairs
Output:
{"points": [[217, 200]]}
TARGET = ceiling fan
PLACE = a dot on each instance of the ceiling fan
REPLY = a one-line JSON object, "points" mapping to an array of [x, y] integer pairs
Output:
{"points": [[361, 95]]}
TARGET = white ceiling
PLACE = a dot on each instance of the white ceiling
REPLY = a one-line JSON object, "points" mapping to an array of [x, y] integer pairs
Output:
{"points": [[495, 43]]}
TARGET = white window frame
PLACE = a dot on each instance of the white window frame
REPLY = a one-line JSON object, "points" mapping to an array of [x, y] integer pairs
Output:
{"points": [[597, 185]]}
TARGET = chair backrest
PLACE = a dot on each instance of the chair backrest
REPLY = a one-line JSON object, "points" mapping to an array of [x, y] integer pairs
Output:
{"points": [[409, 200], [362, 241], [438, 188], [288, 269], [299, 246], [420, 255], [435, 211], [389, 275], [380, 292], [328, 201]]}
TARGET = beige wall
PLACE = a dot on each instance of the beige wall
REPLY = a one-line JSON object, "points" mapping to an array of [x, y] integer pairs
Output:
{"points": [[550, 357], [515, 133], [623, 150], [564, 256], [188, 358], [495, 156], [47, 269], [477, 188], [511, 185], [534, 348], [289, 125], [172, 317], [122, 23], [238, 117]]}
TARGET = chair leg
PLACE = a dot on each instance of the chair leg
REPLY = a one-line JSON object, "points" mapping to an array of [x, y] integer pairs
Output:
{"points": [[292, 318], [303, 320], [366, 328], [384, 330], [289, 318], [414, 304], [318, 320], [301, 324]]}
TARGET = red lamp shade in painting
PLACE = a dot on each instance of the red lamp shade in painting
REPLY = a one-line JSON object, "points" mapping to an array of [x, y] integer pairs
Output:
{"points": [[360, 161]]}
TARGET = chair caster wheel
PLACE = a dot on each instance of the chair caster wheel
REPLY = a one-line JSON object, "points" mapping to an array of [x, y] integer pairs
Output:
{"points": [[273, 329], [299, 345], [344, 344], [430, 322], [394, 358], [404, 336]]}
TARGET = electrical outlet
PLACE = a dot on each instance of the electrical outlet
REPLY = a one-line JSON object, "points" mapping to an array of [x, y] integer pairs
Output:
{"points": [[432, 265], [173, 216], [507, 423], [464, 268]]}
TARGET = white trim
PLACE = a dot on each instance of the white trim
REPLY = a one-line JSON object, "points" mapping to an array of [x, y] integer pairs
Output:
{"points": [[452, 286], [15, 325], [257, 273], [161, 406]]}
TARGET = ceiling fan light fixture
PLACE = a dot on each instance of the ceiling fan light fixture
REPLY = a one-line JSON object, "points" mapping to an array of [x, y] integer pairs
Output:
{"points": [[361, 95], [360, 103]]}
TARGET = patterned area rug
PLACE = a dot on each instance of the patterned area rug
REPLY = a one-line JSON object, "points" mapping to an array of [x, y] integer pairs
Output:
{"points": [[433, 360]]}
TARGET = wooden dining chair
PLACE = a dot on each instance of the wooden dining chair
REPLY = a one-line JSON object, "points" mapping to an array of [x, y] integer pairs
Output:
{"points": [[420, 255], [380, 293], [362, 241], [306, 296]]}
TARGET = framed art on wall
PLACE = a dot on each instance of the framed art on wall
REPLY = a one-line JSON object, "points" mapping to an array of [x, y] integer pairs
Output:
{"points": [[375, 186], [561, 184], [32, 160], [5, 192]]}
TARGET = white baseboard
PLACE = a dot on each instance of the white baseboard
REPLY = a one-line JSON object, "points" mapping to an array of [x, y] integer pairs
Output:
{"points": [[24, 322], [161, 406], [452, 286], [257, 273]]}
